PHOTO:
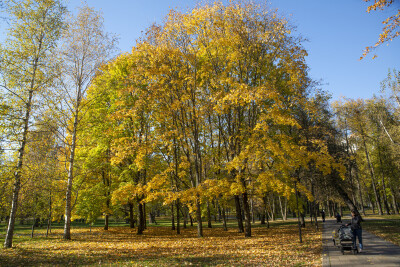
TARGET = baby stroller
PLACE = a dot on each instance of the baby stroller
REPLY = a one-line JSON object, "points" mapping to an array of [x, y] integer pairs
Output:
{"points": [[343, 238]]}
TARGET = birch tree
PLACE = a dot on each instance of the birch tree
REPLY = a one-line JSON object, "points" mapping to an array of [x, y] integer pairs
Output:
{"points": [[85, 47], [25, 67]]}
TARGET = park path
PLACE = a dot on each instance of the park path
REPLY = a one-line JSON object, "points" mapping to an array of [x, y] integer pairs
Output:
{"points": [[376, 251]]}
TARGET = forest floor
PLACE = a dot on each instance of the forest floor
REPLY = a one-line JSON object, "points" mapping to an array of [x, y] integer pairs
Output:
{"points": [[160, 246]]}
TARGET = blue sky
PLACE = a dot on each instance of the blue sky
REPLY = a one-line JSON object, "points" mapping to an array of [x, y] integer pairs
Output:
{"points": [[337, 32]]}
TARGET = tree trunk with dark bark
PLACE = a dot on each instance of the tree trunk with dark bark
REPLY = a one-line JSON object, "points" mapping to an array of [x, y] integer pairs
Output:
{"points": [[131, 217], [247, 215], [141, 218], [239, 216]]}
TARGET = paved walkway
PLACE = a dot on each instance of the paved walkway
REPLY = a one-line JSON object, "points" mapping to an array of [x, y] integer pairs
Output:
{"points": [[376, 250]]}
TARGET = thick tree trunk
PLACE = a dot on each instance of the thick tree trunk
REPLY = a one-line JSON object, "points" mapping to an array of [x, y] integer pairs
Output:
{"points": [[302, 219], [106, 222], [262, 219], [239, 216], [131, 217], [141, 218]]}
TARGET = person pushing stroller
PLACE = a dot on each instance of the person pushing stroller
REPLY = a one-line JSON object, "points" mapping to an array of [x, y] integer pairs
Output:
{"points": [[355, 225]]}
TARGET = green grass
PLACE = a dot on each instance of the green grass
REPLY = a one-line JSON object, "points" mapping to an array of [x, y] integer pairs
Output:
{"points": [[385, 226], [26, 228]]}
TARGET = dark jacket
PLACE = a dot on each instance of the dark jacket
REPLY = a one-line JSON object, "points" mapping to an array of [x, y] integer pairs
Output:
{"points": [[356, 222]]}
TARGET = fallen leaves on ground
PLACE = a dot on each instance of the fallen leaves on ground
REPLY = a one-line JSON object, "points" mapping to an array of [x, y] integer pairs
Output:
{"points": [[160, 246]]}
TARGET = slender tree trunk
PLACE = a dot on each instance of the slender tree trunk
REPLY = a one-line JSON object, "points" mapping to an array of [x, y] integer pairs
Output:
{"points": [[68, 199], [337, 185], [106, 222], [385, 200], [360, 192], [144, 217], [185, 218], [219, 211], [246, 207], [265, 201], [298, 212], [107, 183], [224, 219], [33, 225], [395, 206], [172, 217], [209, 224], [283, 212], [17, 173], [252, 217], [49, 219], [272, 207], [316, 209], [373, 179], [178, 228], [198, 218]]}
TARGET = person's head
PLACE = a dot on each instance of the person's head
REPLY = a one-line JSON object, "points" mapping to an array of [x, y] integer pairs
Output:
{"points": [[353, 213]]}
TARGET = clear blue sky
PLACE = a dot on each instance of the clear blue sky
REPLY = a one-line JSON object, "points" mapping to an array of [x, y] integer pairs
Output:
{"points": [[337, 32]]}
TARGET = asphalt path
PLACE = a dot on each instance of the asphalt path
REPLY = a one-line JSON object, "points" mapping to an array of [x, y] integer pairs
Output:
{"points": [[376, 250]]}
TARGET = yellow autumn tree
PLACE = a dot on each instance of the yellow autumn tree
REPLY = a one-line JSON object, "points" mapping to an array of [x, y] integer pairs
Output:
{"points": [[392, 23], [207, 108]]}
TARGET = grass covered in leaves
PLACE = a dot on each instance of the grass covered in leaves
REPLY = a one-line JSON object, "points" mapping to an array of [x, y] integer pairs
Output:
{"points": [[387, 227], [160, 246]]}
